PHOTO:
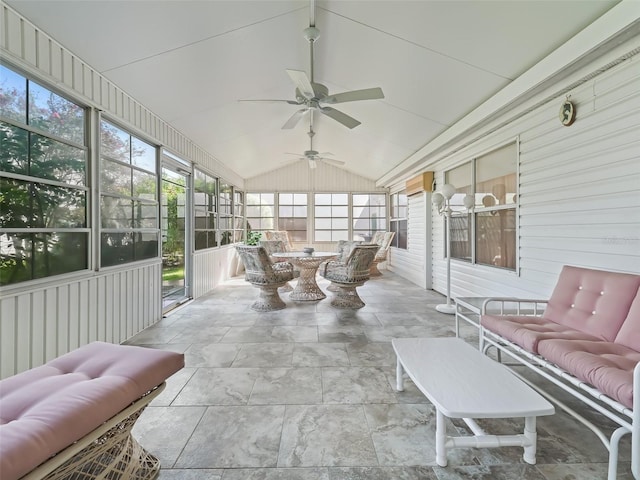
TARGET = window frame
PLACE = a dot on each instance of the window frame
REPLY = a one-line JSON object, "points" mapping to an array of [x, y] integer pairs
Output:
{"points": [[155, 203], [31, 131], [481, 209], [210, 209], [399, 219]]}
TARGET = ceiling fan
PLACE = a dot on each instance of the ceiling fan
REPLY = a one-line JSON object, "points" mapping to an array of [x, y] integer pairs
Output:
{"points": [[315, 96], [313, 156]]}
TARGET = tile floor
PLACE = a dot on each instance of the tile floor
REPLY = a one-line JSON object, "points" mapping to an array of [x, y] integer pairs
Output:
{"points": [[307, 393]]}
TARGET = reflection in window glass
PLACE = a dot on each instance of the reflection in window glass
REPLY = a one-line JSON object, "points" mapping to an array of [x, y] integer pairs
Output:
{"points": [[115, 178], [143, 155], [496, 238], [494, 188], [52, 194], [260, 211], [129, 206], [14, 157], [292, 215], [369, 215], [398, 222], [205, 208], [116, 212], [29, 256], [332, 217], [13, 95]]}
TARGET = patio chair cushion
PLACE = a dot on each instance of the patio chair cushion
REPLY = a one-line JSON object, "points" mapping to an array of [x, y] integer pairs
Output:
{"points": [[47, 408], [605, 365]]}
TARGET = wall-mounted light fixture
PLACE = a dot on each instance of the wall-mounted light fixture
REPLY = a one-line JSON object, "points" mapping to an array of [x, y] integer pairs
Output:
{"points": [[442, 201]]}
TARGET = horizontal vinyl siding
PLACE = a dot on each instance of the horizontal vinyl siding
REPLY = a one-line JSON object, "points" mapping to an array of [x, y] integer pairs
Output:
{"points": [[41, 324], [411, 263], [579, 197]]}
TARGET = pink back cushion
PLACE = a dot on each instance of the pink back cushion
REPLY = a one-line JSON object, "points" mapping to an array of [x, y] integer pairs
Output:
{"points": [[629, 334], [593, 301]]}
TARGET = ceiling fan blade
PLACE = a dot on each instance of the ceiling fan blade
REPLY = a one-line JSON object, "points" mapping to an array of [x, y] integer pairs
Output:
{"points": [[352, 96], [294, 119], [331, 161], [291, 102], [337, 115], [302, 82]]}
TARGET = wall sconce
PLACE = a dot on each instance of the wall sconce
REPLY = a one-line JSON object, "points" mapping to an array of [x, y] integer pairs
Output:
{"points": [[442, 201]]}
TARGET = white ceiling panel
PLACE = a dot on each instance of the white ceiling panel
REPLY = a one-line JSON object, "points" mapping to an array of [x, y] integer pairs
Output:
{"points": [[191, 61]]}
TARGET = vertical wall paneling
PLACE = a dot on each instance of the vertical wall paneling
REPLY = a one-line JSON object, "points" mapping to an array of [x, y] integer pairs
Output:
{"points": [[23, 334], [48, 322], [8, 337], [38, 328]]}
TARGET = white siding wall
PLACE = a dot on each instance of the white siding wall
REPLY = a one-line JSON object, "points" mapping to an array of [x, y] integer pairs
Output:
{"points": [[211, 267], [579, 200], [42, 323], [38, 324], [412, 263]]}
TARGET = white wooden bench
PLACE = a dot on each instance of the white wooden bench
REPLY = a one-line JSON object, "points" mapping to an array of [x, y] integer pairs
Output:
{"points": [[461, 382]]}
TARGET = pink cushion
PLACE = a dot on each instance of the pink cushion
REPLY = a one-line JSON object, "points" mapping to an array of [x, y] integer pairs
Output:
{"points": [[528, 331], [605, 365], [629, 334], [47, 408], [592, 301]]}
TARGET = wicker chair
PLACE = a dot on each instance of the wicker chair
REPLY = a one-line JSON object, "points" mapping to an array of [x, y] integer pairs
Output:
{"points": [[281, 235], [278, 246], [349, 274], [344, 249], [383, 239], [266, 275]]}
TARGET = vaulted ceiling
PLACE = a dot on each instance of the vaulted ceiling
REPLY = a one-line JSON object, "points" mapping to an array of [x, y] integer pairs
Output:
{"points": [[191, 61]]}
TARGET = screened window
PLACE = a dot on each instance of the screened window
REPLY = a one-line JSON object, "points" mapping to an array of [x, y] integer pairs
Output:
{"points": [[238, 215], [331, 217], [205, 198], [128, 197], [492, 180], [368, 214], [398, 221], [43, 182], [292, 215], [260, 211], [225, 213]]}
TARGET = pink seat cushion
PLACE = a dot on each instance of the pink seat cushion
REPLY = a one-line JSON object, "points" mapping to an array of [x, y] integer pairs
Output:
{"points": [[47, 408], [592, 301], [528, 331], [606, 366], [629, 334]]}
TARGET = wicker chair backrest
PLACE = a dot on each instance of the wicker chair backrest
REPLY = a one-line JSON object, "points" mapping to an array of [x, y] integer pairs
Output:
{"points": [[273, 246], [281, 235], [255, 259]]}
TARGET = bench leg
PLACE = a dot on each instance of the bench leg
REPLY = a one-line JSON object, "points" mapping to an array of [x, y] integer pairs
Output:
{"points": [[531, 436], [399, 376], [441, 439]]}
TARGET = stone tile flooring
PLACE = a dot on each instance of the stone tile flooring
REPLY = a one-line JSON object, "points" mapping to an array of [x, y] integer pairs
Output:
{"points": [[307, 393]]}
